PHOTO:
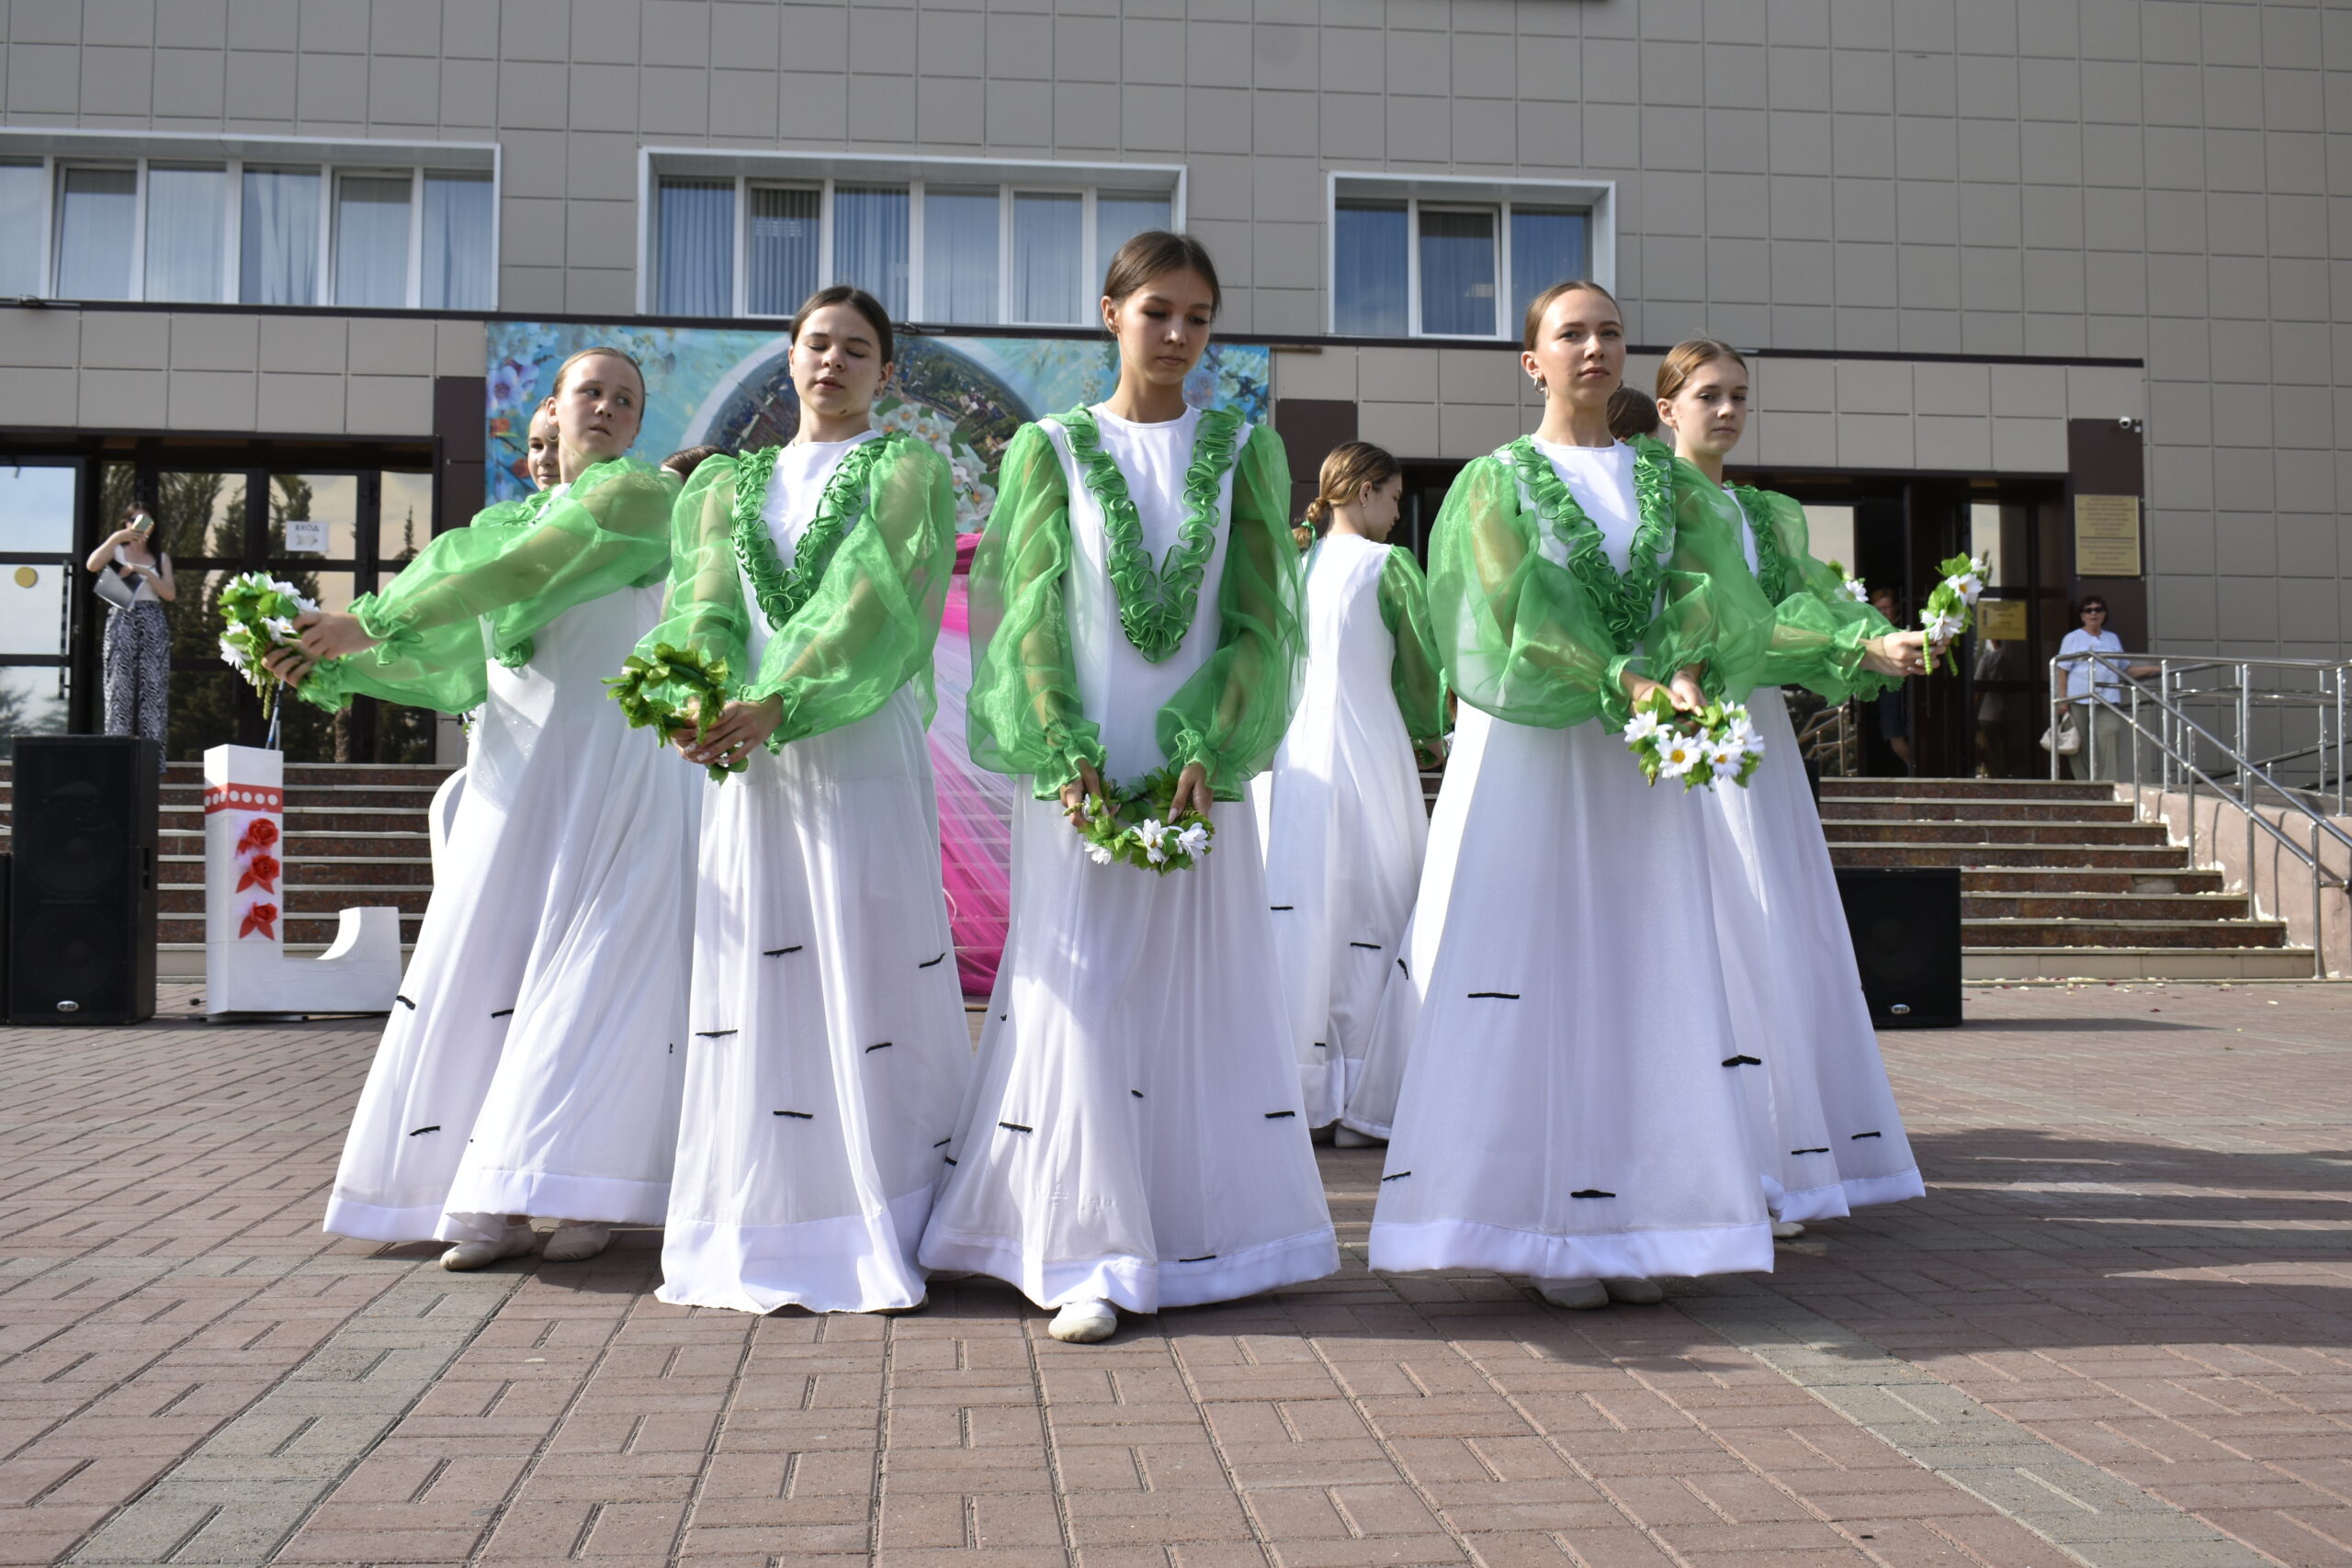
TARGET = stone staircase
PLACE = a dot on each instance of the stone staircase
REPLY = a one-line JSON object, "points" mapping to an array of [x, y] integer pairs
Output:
{"points": [[2058, 881], [354, 835]]}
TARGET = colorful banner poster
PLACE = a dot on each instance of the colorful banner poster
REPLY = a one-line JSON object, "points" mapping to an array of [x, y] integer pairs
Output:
{"points": [[731, 387]]}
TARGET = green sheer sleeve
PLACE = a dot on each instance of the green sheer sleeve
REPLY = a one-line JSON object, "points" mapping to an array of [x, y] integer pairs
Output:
{"points": [[1819, 634], [1712, 616], [516, 574], [1230, 714], [869, 627], [1022, 713], [1518, 636], [1415, 674], [703, 611]]}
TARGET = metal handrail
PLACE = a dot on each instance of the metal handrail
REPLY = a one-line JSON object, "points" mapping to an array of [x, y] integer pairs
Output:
{"points": [[2175, 733]]}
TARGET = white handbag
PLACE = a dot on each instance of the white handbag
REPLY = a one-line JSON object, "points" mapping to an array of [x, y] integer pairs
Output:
{"points": [[2064, 739]]}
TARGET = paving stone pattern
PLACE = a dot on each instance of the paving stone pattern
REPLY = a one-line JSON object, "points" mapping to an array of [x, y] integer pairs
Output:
{"points": [[2115, 1333]]}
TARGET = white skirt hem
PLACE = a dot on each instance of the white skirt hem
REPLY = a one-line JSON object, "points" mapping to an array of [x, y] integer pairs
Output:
{"points": [[1139, 1284], [847, 1263], [1829, 1203], [552, 1195], [1863, 1190], [1624, 1254], [372, 1222]]}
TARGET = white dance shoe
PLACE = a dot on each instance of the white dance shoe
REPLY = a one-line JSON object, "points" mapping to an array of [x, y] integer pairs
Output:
{"points": [[1577, 1295], [575, 1241], [1786, 1230], [1084, 1323], [1634, 1292], [1346, 1137], [514, 1241]]}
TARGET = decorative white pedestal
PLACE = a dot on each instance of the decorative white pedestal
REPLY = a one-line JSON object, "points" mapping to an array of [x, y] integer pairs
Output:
{"points": [[246, 966]]}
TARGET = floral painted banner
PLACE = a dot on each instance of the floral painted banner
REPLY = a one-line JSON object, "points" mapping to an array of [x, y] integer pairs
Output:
{"points": [[731, 387]]}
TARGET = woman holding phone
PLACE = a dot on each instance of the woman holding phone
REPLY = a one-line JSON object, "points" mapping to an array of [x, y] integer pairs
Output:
{"points": [[138, 649]]}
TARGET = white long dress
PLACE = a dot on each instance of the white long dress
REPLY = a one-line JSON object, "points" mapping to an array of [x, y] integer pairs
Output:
{"points": [[830, 1049], [532, 1065], [1822, 1117], [1344, 824], [1569, 1106], [1132, 1133]]}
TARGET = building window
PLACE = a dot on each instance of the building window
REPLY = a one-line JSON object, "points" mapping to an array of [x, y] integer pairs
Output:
{"points": [[1459, 258], [965, 243], [157, 222]]}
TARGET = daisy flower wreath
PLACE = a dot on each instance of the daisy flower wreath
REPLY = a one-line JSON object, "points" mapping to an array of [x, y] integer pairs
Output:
{"points": [[1701, 748], [1133, 827]]}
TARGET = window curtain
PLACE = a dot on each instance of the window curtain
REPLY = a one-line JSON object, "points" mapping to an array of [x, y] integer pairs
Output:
{"points": [[1047, 251], [696, 263], [870, 243], [1547, 247], [959, 254], [371, 239], [22, 231], [278, 249], [784, 248], [185, 212], [457, 262], [93, 240], [1368, 266], [1118, 218], [1458, 273]]}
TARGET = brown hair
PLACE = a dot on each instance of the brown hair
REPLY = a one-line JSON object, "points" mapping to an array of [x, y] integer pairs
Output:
{"points": [[565, 368], [1156, 253], [1350, 466], [858, 299], [1690, 356], [1631, 415], [684, 461], [1543, 302]]}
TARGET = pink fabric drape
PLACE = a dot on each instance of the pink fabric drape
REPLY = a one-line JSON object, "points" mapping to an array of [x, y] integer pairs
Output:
{"points": [[975, 806]]}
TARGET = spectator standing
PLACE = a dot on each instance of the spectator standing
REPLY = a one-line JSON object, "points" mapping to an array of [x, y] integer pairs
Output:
{"points": [[135, 579], [2101, 754]]}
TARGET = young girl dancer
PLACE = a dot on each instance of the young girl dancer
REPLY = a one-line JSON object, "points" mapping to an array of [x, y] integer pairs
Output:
{"points": [[829, 1048], [1133, 1137], [1570, 1106], [532, 1063], [1342, 810], [1821, 1115]]}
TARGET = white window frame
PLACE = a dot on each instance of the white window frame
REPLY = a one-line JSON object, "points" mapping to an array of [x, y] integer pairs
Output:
{"points": [[823, 171], [58, 150], [1596, 198]]}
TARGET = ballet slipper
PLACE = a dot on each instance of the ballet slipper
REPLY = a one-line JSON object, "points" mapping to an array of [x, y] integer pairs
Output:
{"points": [[514, 1241], [1347, 1137], [1786, 1230], [576, 1241], [1635, 1293], [1577, 1295], [1084, 1323]]}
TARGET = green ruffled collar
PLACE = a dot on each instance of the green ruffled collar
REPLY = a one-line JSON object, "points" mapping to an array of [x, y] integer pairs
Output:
{"points": [[1626, 601], [782, 591], [1156, 604], [1771, 566]]}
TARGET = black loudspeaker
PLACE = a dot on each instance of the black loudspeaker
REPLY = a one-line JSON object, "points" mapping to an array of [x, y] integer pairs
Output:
{"points": [[1905, 926], [82, 895]]}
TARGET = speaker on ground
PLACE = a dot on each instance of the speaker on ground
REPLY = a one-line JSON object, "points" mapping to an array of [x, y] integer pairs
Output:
{"points": [[80, 933], [1905, 925]]}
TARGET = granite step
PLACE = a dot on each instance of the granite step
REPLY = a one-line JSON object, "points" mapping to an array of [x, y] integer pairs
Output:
{"points": [[2080, 905], [2081, 835], [1875, 808]]}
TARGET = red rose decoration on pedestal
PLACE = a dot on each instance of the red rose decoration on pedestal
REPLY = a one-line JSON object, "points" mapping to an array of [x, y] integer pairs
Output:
{"points": [[262, 918], [261, 833], [261, 872]]}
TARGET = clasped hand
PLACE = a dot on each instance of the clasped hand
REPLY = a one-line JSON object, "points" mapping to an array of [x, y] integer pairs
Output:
{"points": [[1683, 691], [1192, 793], [740, 728]]}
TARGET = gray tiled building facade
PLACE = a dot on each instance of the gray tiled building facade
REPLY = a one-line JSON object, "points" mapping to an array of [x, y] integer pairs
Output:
{"points": [[1966, 236]]}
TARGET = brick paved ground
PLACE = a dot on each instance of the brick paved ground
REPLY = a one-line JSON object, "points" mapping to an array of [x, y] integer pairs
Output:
{"points": [[2119, 1323]]}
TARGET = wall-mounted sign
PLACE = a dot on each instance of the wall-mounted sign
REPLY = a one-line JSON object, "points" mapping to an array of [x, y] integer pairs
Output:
{"points": [[2002, 620], [2107, 536], [305, 538]]}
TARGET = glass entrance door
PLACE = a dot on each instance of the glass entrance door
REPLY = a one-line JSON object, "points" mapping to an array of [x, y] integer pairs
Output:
{"points": [[40, 578]]}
